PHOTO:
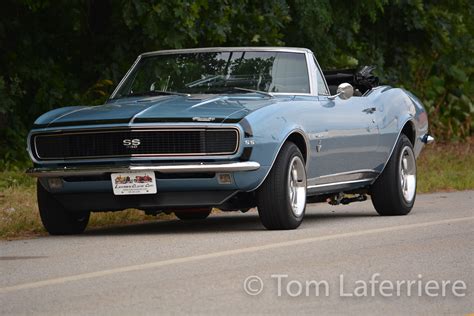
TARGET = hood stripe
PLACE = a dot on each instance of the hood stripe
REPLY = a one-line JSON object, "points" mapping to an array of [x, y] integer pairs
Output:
{"points": [[132, 120], [66, 114]]}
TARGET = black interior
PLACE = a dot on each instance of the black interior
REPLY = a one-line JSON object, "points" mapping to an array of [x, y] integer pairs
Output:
{"points": [[362, 80]]}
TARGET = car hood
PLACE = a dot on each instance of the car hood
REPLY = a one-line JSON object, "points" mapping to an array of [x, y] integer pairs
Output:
{"points": [[158, 109]]}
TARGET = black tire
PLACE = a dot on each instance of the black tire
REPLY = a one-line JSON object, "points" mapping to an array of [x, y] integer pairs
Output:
{"points": [[56, 218], [273, 198], [193, 215], [387, 192]]}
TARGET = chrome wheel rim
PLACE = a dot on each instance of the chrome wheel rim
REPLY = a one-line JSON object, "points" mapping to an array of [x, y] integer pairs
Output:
{"points": [[297, 186], [407, 171]]}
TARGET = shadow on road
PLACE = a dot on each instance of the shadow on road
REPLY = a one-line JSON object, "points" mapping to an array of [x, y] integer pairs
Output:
{"points": [[230, 222]]}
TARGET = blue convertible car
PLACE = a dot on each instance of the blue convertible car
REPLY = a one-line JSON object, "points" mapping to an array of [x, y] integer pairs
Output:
{"points": [[233, 128]]}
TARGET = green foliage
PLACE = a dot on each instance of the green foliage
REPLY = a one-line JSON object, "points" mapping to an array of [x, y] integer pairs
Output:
{"points": [[70, 52], [424, 46], [428, 48], [16, 179]]}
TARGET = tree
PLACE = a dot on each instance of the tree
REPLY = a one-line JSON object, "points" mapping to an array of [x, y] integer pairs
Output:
{"points": [[70, 52]]}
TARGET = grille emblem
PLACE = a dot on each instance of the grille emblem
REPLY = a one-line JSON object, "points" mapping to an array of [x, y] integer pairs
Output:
{"points": [[204, 119], [131, 143]]}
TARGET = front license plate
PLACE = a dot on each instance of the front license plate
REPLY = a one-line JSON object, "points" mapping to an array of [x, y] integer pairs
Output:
{"points": [[134, 183]]}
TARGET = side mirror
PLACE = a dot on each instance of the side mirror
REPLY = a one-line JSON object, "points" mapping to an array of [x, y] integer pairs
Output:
{"points": [[344, 91]]}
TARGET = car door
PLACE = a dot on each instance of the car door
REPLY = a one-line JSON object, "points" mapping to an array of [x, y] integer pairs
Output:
{"points": [[344, 139]]}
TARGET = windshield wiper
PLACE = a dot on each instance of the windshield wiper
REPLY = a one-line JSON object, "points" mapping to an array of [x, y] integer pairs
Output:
{"points": [[158, 92], [204, 80], [268, 94]]}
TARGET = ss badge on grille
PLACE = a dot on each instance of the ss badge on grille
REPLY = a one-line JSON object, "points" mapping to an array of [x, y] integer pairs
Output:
{"points": [[131, 143]]}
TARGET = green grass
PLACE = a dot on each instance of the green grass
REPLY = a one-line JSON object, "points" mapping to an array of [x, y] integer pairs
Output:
{"points": [[446, 167], [441, 167], [19, 216]]}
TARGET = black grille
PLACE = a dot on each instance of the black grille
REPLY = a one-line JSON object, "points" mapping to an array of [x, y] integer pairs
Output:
{"points": [[101, 144]]}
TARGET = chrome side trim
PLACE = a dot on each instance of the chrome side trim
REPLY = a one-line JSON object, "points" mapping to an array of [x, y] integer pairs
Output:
{"points": [[346, 173], [347, 176], [338, 183], [98, 170]]}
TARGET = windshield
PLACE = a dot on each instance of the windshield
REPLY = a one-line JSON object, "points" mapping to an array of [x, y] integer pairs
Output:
{"points": [[218, 72]]}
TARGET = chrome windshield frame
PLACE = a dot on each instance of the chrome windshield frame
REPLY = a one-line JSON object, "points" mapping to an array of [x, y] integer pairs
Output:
{"points": [[309, 56]]}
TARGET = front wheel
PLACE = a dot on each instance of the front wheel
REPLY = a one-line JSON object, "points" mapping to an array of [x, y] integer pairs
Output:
{"points": [[281, 199], [394, 192], [56, 218]]}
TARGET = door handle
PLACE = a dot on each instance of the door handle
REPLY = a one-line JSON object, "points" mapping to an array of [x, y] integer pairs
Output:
{"points": [[369, 110]]}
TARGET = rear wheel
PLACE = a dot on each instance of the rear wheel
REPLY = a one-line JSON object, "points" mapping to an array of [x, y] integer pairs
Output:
{"points": [[198, 214], [56, 218], [281, 199], [394, 192]]}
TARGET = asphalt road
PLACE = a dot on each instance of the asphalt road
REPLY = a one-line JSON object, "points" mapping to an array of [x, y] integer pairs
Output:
{"points": [[200, 267]]}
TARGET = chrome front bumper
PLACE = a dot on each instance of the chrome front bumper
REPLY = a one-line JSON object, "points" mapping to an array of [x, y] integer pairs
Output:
{"points": [[176, 168]]}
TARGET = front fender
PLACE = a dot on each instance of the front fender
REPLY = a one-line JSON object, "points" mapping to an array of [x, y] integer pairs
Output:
{"points": [[399, 108], [269, 132]]}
